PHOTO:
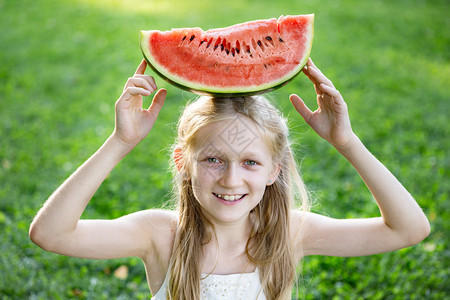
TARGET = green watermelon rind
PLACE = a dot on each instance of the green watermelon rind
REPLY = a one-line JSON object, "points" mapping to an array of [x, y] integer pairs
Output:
{"points": [[222, 92]]}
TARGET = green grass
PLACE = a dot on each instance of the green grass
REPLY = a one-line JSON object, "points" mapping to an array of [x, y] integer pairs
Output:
{"points": [[64, 63]]}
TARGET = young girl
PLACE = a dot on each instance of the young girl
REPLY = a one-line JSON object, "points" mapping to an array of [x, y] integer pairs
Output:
{"points": [[236, 233]]}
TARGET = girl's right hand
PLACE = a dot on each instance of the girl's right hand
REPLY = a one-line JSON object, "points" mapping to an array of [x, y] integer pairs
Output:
{"points": [[133, 123]]}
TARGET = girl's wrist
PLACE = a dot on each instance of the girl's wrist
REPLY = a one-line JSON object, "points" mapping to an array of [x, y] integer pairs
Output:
{"points": [[350, 146], [119, 144]]}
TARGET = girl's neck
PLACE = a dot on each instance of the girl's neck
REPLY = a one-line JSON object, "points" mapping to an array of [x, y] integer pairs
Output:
{"points": [[227, 253], [232, 233]]}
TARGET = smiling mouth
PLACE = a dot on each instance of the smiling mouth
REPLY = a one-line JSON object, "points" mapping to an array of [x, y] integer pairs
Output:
{"points": [[230, 198]]}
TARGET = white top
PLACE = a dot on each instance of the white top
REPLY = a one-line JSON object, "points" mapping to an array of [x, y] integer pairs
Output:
{"points": [[246, 286]]}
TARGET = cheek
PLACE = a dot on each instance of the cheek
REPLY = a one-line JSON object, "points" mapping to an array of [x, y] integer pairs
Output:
{"points": [[202, 178], [208, 174], [258, 183]]}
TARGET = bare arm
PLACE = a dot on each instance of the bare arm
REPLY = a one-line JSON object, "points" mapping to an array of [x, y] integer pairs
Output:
{"points": [[57, 226], [402, 222]]}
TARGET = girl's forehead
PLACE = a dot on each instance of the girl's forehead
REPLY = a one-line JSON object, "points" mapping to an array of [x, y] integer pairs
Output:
{"points": [[237, 136]]}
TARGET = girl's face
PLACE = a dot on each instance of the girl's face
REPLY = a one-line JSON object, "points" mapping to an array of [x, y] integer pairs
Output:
{"points": [[231, 168]]}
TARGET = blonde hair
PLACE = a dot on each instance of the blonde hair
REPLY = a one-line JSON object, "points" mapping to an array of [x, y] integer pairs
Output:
{"points": [[269, 246]]}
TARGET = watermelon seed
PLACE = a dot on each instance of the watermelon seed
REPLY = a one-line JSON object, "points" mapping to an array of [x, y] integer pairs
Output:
{"points": [[268, 38], [192, 37], [184, 38], [281, 40], [223, 45], [227, 51], [261, 46], [216, 44], [237, 50], [265, 66], [248, 50], [209, 43]]}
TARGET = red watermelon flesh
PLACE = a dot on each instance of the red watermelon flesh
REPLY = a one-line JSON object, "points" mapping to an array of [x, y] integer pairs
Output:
{"points": [[248, 58]]}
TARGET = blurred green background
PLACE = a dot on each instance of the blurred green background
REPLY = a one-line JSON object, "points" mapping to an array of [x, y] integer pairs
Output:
{"points": [[63, 65]]}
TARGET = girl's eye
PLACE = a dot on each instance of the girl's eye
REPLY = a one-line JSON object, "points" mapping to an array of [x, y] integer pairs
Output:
{"points": [[213, 160], [251, 163]]}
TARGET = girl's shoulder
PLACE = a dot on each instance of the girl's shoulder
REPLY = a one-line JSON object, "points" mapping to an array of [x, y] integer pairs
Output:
{"points": [[299, 227], [160, 226], [160, 223]]}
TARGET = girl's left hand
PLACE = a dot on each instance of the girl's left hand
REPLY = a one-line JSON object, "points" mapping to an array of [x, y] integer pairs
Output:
{"points": [[330, 120]]}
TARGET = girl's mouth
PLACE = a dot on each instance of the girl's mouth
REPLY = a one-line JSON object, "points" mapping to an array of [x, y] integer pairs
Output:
{"points": [[230, 198]]}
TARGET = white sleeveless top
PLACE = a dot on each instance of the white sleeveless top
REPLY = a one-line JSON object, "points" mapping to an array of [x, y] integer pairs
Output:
{"points": [[246, 286]]}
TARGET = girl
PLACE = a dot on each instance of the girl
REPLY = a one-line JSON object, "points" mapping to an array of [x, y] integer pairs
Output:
{"points": [[236, 233]]}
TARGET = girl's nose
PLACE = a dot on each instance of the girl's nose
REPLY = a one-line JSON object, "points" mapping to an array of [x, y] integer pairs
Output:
{"points": [[231, 176]]}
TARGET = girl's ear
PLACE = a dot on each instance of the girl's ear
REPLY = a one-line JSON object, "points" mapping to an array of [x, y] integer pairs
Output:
{"points": [[274, 175], [178, 158]]}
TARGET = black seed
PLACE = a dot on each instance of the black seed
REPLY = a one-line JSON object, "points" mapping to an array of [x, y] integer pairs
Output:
{"points": [[227, 51], [248, 51], [281, 40], [192, 37], [202, 42], [221, 47], [215, 47], [268, 38], [207, 46], [259, 43], [265, 66], [232, 52], [237, 50], [184, 38]]}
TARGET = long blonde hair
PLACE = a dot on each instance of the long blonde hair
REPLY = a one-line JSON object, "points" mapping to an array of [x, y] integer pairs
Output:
{"points": [[269, 246]]}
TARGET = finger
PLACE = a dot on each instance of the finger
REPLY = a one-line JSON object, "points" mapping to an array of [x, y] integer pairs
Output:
{"points": [[311, 63], [158, 101], [133, 91], [301, 107], [142, 67], [149, 79], [317, 74], [319, 77], [139, 82], [331, 91], [307, 71], [313, 80]]}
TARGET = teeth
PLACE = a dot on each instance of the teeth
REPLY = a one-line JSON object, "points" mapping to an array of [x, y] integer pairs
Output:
{"points": [[229, 197]]}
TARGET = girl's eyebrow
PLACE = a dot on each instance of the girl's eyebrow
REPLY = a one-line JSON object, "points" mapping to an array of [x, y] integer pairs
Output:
{"points": [[207, 151], [250, 154]]}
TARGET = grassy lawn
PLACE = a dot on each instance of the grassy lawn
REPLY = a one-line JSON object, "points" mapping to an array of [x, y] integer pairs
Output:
{"points": [[63, 65]]}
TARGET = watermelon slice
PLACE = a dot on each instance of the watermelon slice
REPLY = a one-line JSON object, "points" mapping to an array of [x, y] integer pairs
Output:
{"points": [[244, 59]]}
